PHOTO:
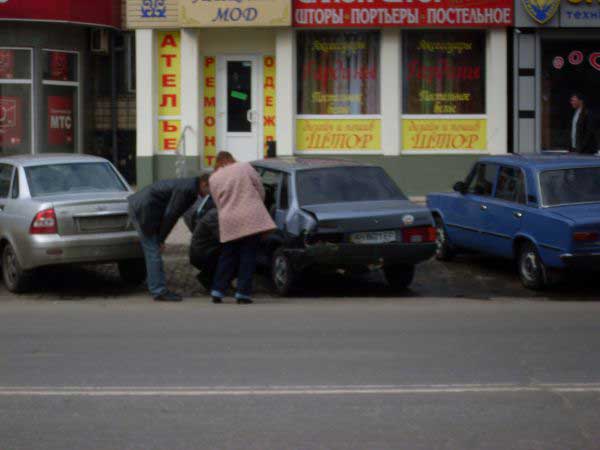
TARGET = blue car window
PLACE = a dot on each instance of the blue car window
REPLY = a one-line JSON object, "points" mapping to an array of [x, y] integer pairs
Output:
{"points": [[570, 186], [482, 179], [511, 185]]}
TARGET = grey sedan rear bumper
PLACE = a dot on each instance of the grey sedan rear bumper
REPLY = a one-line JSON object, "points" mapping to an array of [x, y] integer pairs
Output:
{"points": [[359, 254], [47, 250]]}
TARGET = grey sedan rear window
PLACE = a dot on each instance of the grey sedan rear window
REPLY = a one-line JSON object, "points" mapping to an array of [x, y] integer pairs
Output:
{"points": [[345, 184], [72, 178]]}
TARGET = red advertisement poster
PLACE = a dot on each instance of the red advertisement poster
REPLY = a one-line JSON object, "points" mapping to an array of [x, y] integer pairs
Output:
{"points": [[60, 120], [11, 123], [405, 13], [59, 66], [7, 64]]}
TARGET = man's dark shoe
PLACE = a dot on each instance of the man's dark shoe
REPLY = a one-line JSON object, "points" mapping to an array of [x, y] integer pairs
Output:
{"points": [[217, 300], [244, 301], [168, 296]]}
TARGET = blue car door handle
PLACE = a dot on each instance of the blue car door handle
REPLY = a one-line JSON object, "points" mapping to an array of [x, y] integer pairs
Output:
{"points": [[518, 214], [483, 207]]}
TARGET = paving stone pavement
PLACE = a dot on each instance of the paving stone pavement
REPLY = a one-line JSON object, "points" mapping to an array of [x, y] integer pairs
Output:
{"points": [[470, 277]]}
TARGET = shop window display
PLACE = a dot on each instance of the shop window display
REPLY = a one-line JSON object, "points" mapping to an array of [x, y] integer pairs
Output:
{"points": [[338, 73], [444, 72], [568, 68], [59, 101], [15, 101]]}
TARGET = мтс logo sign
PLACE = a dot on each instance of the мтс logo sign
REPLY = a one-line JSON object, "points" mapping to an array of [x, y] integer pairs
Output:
{"points": [[153, 8], [541, 11]]}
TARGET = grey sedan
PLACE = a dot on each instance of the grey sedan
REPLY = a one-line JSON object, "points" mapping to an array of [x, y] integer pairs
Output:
{"points": [[64, 209], [340, 215]]}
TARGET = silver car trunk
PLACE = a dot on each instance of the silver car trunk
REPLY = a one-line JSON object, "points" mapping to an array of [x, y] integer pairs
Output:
{"points": [[350, 217], [91, 213]]}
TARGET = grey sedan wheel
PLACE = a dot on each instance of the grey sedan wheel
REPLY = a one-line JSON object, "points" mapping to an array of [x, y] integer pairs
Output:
{"points": [[399, 277], [15, 278], [282, 273], [532, 270]]}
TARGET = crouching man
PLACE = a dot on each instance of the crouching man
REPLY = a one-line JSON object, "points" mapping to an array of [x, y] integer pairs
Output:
{"points": [[154, 211], [205, 248]]}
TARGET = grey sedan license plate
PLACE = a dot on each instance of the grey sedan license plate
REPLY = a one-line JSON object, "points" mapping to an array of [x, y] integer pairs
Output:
{"points": [[373, 237]]}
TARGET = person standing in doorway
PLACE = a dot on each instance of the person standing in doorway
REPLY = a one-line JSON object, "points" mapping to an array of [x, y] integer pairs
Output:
{"points": [[582, 137], [238, 192], [154, 211]]}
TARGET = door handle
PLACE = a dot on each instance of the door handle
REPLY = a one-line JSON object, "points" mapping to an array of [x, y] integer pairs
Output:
{"points": [[251, 116], [518, 214], [483, 207]]}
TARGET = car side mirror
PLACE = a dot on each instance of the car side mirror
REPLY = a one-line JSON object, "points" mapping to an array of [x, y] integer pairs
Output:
{"points": [[460, 187]]}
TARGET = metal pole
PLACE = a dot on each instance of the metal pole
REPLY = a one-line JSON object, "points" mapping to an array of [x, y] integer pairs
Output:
{"points": [[113, 99]]}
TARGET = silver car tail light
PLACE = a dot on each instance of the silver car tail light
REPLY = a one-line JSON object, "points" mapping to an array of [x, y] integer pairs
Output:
{"points": [[44, 222]]}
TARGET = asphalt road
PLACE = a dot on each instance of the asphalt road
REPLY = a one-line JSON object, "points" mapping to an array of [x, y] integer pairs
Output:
{"points": [[121, 372]]}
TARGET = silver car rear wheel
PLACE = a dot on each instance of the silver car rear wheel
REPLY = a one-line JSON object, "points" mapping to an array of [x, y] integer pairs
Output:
{"points": [[15, 278]]}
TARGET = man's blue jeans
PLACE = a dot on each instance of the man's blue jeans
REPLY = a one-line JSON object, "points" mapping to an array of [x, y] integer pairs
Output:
{"points": [[237, 258], [155, 278]]}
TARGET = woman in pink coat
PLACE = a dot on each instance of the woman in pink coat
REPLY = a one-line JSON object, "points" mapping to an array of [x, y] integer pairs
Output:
{"points": [[238, 192]]}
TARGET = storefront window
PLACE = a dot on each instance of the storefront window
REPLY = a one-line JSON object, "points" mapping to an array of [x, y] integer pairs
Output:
{"points": [[568, 68], [60, 66], [338, 73], [444, 72], [59, 102], [15, 101]]}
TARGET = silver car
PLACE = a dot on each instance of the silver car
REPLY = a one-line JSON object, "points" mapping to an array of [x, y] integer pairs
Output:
{"points": [[64, 209]]}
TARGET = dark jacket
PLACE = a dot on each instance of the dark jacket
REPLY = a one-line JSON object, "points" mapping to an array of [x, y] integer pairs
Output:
{"points": [[585, 139], [205, 247], [158, 207], [192, 215]]}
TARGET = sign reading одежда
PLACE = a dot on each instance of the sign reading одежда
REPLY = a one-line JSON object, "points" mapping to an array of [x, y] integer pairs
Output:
{"points": [[338, 134], [235, 13], [444, 134], [406, 13], [269, 108], [169, 89]]}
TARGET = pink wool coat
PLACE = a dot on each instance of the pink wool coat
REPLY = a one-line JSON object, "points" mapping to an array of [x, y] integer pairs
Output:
{"points": [[238, 192]]}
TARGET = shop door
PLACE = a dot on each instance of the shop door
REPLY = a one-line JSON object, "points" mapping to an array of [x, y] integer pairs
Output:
{"points": [[239, 111]]}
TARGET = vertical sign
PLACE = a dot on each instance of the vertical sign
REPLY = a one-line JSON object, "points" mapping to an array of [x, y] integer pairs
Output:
{"points": [[210, 110], [269, 110], [169, 89], [169, 75]]}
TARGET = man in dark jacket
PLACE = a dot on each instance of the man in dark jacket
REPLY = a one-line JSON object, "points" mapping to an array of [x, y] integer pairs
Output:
{"points": [[205, 247], [582, 132], [154, 211]]}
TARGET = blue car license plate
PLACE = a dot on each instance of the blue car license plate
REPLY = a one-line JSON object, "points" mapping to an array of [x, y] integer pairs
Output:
{"points": [[373, 237]]}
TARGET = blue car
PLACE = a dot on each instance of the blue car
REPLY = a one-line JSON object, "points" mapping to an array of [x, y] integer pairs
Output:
{"points": [[542, 211]]}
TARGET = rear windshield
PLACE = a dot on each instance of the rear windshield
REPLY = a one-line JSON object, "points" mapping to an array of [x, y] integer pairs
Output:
{"points": [[570, 186], [72, 178], [345, 184]]}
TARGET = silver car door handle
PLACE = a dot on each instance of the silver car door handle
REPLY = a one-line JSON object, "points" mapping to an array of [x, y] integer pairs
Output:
{"points": [[518, 214], [483, 207]]}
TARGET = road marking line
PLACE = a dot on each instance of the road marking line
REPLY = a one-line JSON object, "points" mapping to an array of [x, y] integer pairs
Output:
{"points": [[226, 391]]}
